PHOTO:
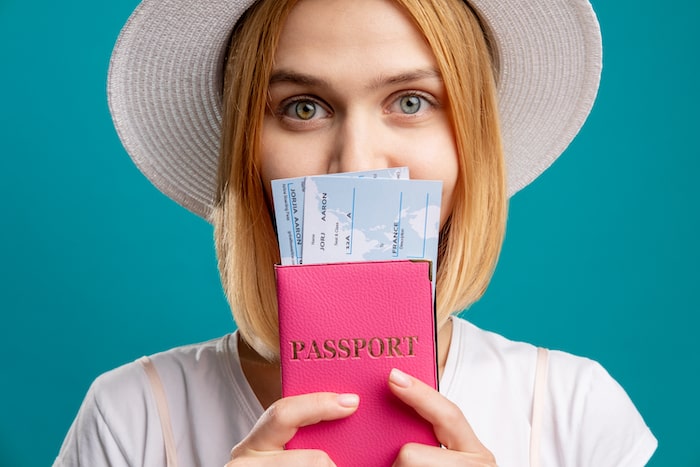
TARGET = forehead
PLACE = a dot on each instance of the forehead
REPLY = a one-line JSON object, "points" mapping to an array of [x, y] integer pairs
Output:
{"points": [[351, 34]]}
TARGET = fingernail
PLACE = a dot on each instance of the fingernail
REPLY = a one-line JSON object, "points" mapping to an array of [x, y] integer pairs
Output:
{"points": [[348, 400], [399, 378]]}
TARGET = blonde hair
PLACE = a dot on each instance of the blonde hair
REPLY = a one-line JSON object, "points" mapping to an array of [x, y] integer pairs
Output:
{"points": [[471, 238]]}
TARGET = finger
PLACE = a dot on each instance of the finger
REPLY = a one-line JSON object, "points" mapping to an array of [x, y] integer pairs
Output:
{"points": [[420, 455], [281, 420], [450, 426]]}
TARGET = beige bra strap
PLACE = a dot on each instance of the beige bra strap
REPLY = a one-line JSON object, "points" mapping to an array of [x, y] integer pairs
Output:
{"points": [[538, 399], [163, 412]]}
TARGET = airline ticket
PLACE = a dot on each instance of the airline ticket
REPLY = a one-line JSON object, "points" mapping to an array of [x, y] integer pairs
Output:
{"points": [[288, 200], [356, 219]]}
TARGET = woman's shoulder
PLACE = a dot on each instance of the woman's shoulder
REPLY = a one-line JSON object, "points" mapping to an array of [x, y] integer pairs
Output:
{"points": [[119, 417], [183, 362], [492, 378], [474, 346], [201, 377], [510, 364], [117, 389]]}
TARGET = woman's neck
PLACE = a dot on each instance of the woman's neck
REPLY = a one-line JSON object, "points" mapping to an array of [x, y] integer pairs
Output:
{"points": [[263, 376]]}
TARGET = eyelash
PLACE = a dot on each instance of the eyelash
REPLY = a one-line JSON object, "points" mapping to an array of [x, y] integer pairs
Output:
{"points": [[286, 106], [432, 102]]}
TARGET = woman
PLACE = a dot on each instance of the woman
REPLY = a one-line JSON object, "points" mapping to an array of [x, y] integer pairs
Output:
{"points": [[325, 86]]}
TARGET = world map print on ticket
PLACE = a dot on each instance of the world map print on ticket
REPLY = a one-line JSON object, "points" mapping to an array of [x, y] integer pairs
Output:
{"points": [[358, 219], [288, 199]]}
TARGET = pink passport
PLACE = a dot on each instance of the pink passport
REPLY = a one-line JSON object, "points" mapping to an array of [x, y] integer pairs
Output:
{"points": [[343, 327]]}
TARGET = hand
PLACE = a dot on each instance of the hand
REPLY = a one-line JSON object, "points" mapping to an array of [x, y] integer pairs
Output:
{"points": [[449, 424], [264, 445]]}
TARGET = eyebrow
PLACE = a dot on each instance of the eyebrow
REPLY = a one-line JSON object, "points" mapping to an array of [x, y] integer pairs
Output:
{"points": [[407, 77], [288, 76]]}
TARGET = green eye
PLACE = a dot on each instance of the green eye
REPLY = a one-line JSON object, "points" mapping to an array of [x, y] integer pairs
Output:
{"points": [[410, 104], [305, 110]]}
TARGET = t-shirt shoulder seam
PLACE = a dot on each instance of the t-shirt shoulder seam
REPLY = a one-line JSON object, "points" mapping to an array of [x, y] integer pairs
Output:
{"points": [[103, 419], [199, 346]]}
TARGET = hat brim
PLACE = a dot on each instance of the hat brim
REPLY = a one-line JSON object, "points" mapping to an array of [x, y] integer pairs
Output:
{"points": [[165, 80]]}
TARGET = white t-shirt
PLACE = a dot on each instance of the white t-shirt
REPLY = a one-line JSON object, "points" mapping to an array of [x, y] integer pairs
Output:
{"points": [[588, 419]]}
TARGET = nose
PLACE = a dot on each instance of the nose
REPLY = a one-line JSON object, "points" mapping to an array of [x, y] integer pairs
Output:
{"points": [[359, 145]]}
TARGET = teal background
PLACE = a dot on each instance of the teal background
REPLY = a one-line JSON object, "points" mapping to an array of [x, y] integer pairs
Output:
{"points": [[98, 268]]}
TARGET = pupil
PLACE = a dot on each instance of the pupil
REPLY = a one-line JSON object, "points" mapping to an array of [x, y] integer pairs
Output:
{"points": [[410, 104], [305, 110]]}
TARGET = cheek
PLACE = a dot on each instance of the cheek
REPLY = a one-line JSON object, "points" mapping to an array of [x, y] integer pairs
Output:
{"points": [[268, 162], [286, 154], [448, 165], [448, 187], [449, 181], [441, 163], [277, 157]]}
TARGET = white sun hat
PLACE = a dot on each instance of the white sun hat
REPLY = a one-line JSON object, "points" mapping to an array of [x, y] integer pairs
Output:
{"points": [[166, 73]]}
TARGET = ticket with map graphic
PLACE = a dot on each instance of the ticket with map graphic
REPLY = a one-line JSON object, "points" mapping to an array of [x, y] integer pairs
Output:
{"points": [[359, 219], [288, 200]]}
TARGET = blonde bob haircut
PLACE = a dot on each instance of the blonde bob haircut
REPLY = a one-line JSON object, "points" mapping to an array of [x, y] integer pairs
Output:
{"points": [[471, 238]]}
